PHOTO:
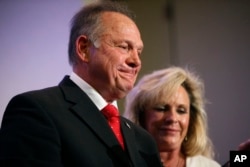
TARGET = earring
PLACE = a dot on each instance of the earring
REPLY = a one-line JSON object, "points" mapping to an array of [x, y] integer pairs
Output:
{"points": [[185, 139]]}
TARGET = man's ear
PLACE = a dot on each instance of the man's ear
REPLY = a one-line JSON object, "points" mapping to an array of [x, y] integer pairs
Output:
{"points": [[82, 47]]}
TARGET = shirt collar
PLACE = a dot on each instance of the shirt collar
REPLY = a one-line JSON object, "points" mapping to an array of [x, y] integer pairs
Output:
{"points": [[90, 91]]}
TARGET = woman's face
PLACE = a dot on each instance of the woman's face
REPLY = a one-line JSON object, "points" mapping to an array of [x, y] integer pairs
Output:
{"points": [[168, 120]]}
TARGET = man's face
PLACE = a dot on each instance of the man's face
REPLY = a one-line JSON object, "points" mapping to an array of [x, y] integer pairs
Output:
{"points": [[114, 60]]}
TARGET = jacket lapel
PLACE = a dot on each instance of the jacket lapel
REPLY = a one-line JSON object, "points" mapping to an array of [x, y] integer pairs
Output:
{"points": [[88, 112], [96, 121]]}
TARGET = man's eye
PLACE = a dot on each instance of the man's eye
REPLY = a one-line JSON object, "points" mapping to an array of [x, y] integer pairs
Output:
{"points": [[123, 47]]}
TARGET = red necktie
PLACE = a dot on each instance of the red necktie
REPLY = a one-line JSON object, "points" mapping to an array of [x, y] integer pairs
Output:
{"points": [[112, 115]]}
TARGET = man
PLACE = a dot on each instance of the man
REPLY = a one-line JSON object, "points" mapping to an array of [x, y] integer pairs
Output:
{"points": [[63, 125]]}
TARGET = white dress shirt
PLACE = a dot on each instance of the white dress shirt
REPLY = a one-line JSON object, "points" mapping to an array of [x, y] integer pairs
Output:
{"points": [[90, 91]]}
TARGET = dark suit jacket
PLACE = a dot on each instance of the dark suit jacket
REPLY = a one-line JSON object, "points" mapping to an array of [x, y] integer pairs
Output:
{"points": [[61, 126]]}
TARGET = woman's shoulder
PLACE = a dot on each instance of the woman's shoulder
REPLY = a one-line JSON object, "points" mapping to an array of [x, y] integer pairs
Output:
{"points": [[201, 161]]}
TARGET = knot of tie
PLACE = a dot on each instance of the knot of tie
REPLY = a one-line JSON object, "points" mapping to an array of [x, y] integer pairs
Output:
{"points": [[110, 111]]}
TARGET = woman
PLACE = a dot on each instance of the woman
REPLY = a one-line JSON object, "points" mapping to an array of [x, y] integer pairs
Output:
{"points": [[169, 104]]}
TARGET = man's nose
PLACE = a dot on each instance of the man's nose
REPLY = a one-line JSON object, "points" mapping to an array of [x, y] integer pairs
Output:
{"points": [[134, 59]]}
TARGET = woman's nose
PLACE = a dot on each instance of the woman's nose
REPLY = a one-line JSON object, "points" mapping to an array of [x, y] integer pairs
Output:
{"points": [[171, 116]]}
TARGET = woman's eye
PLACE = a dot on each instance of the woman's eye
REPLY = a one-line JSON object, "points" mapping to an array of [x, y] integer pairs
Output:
{"points": [[182, 110], [160, 108]]}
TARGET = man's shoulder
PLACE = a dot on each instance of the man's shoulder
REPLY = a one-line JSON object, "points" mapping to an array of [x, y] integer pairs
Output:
{"points": [[38, 97], [44, 92], [39, 92]]}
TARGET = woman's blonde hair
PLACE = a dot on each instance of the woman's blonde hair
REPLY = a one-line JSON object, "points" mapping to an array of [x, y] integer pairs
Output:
{"points": [[163, 84]]}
